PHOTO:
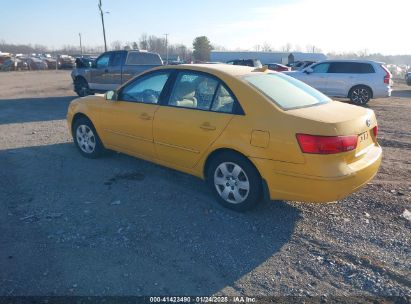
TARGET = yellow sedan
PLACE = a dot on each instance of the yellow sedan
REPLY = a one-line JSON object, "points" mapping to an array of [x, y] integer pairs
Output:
{"points": [[250, 133]]}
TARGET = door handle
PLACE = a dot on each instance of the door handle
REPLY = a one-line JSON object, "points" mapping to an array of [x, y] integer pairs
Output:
{"points": [[145, 116], [207, 126]]}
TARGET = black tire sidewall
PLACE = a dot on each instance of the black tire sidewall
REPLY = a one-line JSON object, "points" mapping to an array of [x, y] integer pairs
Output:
{"points": [[98, 149], [255, 194], [80, 83]]}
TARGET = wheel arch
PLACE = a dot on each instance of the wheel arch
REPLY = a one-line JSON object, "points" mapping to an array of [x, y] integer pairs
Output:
{"points": [[219, 151], [360, 85], [76, 117], [77, 77]]}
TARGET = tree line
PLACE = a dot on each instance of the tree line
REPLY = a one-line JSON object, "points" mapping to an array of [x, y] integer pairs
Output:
{"points": [[199, 51]]}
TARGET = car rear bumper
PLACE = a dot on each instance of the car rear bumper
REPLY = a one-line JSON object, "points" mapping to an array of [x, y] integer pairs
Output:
{"points": [[382, 92], [298, 187]]}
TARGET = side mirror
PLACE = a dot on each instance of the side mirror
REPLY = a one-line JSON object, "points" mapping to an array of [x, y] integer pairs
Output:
{"points": [[111, 95], [308, 70]]}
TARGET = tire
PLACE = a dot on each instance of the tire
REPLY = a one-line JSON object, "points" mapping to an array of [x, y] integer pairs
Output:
{"points": [[234, 181], [81, 87], [86, 138], [360, 95]]}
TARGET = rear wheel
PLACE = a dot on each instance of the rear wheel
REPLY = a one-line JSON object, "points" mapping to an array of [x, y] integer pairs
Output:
{"points": [[360, 95], [81, 87], [235, 182]]}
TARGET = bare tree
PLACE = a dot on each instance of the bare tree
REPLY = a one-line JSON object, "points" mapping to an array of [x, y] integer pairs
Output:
{"points": [[116, 45], [266, 47]]}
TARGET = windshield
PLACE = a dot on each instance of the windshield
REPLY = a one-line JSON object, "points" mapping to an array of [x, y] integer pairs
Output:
{"points": [[285, 91]]}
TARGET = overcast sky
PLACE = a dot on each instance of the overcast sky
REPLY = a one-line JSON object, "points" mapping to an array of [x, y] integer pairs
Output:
{"points": [[332, 25]]}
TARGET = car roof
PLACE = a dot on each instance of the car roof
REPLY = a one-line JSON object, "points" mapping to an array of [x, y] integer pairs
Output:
{"points": [[349, 60], [232, 70]]}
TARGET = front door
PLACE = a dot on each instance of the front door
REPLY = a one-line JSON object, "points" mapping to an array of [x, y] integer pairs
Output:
{"points": [[100, 76], [128, 121], [198, 110], [318, 78]]}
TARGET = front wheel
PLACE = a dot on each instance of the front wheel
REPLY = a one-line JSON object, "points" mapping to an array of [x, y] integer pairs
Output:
{"points": [[81, 87], [235, 182], [360, 95], [86, 138]]}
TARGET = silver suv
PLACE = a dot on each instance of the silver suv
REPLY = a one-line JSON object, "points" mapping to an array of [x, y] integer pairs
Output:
{"points": [[359, 80]]}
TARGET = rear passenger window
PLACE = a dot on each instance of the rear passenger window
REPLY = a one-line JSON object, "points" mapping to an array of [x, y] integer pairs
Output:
{"points": [[351, 68], [140, 58], [224, 101], [365, 68], [193, 90], [116, 59]]}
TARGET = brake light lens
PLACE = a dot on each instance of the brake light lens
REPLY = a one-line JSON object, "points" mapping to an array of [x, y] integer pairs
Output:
{"points": [[387, 76], [315, 144], [375, 131]]}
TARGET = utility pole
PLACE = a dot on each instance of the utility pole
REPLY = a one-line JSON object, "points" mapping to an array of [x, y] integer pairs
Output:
{"points": [[102, 22], [166, 48], [81, 47]]}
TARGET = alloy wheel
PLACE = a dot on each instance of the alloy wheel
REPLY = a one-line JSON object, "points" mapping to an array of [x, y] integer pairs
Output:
{"points": [[86, 139], [360, 96]]}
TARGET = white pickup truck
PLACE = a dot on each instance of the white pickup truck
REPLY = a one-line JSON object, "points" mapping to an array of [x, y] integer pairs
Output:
{"points": [[112, 69]]}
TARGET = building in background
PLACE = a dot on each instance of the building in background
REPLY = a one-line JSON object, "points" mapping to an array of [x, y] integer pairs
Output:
{"points": [[266, 57]]}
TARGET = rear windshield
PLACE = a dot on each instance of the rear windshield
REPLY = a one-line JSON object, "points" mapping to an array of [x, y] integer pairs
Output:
{"points": [[285, 91], [136, 58]]}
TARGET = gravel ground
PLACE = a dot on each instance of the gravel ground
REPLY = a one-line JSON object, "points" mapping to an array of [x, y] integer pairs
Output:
{"points": [[122, 226]]}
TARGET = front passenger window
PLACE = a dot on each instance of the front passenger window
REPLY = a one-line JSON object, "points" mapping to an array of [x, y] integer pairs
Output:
{"points": [[102, 62], [146, 89], [321, 68]]}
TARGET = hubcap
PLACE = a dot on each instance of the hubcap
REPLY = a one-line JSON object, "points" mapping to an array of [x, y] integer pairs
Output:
{"points": [[231, 183], [360, 96], [85, 139]]}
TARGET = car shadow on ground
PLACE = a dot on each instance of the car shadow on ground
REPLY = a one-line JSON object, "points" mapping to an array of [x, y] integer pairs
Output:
{"points": [[33, 109], [122, 226], [401, 93]]}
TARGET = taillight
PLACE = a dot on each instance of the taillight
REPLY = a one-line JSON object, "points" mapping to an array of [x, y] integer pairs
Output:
{"points": [[315, 144], [387, 76], [375, 131]]}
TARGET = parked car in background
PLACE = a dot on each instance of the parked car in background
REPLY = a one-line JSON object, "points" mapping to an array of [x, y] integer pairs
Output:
{"points": [[359, 80], [82, 62], [36, 64], [4, 58], [65, 62], [249, 133], [112, 69], [277, 67], [246, 62], [14, 64], [408, 78], [299, 65]]}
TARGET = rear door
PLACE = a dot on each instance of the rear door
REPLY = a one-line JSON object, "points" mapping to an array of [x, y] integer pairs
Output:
{"points": [[341, 78], [199, 108], [115, 68]]}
